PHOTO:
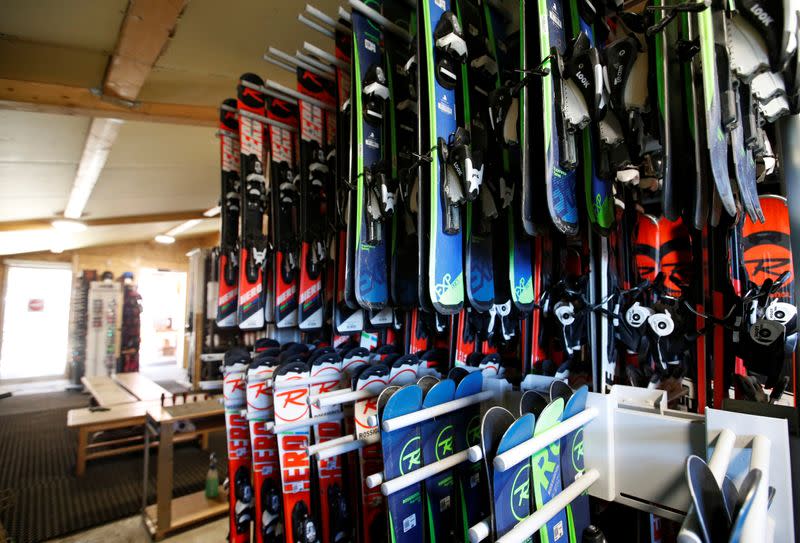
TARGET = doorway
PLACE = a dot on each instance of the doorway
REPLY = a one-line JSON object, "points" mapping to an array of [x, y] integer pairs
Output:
{"points": [[163, 295], [35, 320]]}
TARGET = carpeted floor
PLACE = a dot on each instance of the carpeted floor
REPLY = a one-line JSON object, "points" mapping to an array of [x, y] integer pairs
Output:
{"points": [[40, 496]]}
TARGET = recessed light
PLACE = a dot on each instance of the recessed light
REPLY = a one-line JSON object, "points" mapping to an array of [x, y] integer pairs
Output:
{"points": [[165, 239]]}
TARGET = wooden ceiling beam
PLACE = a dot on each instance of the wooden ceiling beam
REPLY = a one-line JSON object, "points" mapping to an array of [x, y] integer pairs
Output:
{"points": [[146, 30], [65, 100], [39, 224]]}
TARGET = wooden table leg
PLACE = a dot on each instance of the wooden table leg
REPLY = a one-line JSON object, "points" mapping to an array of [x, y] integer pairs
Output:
{"points": [[164, 481], [83, 443], [204, 441]]}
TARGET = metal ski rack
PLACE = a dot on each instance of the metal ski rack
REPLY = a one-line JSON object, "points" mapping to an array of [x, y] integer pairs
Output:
{"points": [[269, 92], [422, 473], [277, 87], [325, 56], [523, 452], [380, 20], [285, 61]]}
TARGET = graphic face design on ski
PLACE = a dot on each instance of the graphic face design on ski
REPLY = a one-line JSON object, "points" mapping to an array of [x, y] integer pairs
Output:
{"points": [[675, 255], [767, 246], [446, 285], [371, 285]]}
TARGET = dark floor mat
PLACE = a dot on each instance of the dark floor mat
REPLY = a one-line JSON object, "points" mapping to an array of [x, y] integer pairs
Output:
{"points": [[40, 496], [27, 403]]}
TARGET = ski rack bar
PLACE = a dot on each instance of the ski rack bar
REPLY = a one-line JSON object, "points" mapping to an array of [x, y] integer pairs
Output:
{"points": [[264, 120], [307, 423], [327, 32], [344, 448], [329, 399], [313, 449], [272, 85], [324, 18], [290, 60], [314, 398], [417, 476], [379, 19], [324, 55], [532, 523], [314, 62], [403, 421], [344, 14], [526, 449]]}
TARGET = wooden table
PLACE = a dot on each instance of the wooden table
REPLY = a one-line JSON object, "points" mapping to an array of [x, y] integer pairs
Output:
{"points": [[142, 387], [126, 415], [106, 392], [169, 514]]}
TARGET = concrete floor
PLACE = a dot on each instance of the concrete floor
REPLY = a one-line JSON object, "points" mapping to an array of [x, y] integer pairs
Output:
{"points": [[131, 530]]}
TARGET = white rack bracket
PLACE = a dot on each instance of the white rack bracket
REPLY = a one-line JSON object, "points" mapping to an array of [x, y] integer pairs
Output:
{"points": [[639, 446], [769, 452]]}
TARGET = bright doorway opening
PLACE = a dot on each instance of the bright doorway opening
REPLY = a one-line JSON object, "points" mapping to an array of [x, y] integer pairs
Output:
{"points": [[35, 320], [162, 323]]}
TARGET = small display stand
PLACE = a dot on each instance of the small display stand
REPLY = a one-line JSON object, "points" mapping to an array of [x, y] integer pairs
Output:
{"points": [[168, 514]]}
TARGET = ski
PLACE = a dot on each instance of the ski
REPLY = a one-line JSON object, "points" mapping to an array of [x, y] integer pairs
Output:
{"points": [[230, 202], [450, 168], [291, 405], [314, 184], [254, 249], [240, 490], [438, 443], [546, 473], [268, 525], [402, 454], [373, 200], [284, 201], [334, 510]]}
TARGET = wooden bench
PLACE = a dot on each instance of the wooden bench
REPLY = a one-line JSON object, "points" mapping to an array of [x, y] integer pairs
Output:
{"points": [[124, 415], [140, 386], [106, 392]]}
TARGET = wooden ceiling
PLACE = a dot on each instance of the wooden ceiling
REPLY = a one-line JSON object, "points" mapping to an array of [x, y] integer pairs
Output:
{"points": [[55, 57]]}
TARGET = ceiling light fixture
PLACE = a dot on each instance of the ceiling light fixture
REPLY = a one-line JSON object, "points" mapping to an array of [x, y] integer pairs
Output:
{"points": [[165, 239], [102, 134], [213, 212], [183, 227], [65, 225]]}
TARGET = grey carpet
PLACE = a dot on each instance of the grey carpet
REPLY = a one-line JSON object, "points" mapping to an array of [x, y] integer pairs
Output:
{"points": [[40, 496]]}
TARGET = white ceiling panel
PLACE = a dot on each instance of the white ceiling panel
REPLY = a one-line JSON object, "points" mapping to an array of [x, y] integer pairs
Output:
{"points": [[141, 144], [41, 137], [86, 24]]}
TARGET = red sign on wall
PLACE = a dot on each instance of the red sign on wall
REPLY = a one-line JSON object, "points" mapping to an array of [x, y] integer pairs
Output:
{"points": [[36, 304]]}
